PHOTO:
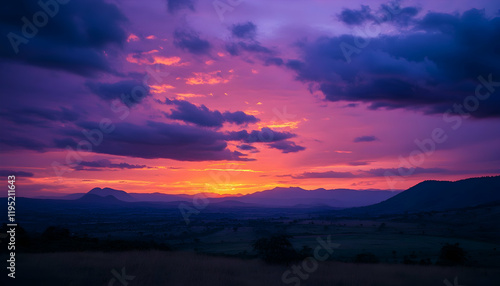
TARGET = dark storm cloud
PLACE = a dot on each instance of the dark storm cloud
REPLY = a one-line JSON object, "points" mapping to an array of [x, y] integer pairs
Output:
{"points": [[14, 141], [273, 61], [286, 146], [155, 140], [130, 92], [236, 49], [386, 13], [72, 38], [202, 116], [239, 117], [176, 5], [368, 138], [380, 172], [431, 67], [359, 163], [39, 116], [323, 175], [264, 135], [401, 16], [246, 147], [190, 41], [105, 164], [149, 140], [244, 31], [189, 112], [356, 17], [5, 173]]}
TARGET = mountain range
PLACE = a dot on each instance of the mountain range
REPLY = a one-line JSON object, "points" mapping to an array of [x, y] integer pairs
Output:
{"points": [[425, 196], [277, 197]]}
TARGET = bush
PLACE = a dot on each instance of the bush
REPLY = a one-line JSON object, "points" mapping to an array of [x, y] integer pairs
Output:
{"points": [[276, 249], [426, 261], [410, 259], [366, 258], [452, 254], [56, 233]]}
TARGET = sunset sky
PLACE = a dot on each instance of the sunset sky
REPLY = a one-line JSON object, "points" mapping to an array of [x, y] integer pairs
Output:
{"points": [[234, 97]]}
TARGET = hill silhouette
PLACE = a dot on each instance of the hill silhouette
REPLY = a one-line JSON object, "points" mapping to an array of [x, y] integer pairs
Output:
{"points": [[439, 195], [91, 198], [105, 192]]}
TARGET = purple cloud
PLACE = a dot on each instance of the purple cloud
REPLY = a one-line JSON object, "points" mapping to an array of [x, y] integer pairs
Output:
{"points": [[368, 138], [190, 41], [105, 164], [247, 30], [72, 41], [286, 146], [5, 173], [433, 67], [202, 116]]}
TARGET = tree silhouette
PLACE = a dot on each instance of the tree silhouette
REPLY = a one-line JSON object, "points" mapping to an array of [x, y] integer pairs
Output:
{"points": [[452, 254], [276, 249]]}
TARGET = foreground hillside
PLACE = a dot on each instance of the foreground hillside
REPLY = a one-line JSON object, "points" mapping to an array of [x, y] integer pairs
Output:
{"points": [[438, 196], [179, 268]]}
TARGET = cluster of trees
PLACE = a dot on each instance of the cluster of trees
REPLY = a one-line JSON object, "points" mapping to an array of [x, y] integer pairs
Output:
{"points": [[450, 255], [279, 249], [57, 238]]}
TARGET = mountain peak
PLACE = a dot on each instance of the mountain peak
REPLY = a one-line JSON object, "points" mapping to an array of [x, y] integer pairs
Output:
{"points": [[118, 194], [91, 198], [434, 195]]}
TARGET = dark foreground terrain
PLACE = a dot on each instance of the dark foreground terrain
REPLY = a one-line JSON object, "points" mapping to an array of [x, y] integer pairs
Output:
{"points": [[184, 268], [99, 240]]}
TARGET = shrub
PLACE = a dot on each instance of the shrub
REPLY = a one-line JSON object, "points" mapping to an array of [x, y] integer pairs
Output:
{"points": [[276, 249], [56, 233], [452, 254], [366, 258]]}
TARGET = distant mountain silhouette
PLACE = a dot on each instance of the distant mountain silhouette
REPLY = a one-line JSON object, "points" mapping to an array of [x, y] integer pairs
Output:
{"points": [[340, 198], [423, 197], [105, 192], [159, 197], [91, 198], [277, 197], [69, 197], [439, 195]]}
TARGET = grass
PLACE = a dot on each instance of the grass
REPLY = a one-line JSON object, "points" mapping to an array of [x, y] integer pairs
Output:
{"points": [[186, 268]]}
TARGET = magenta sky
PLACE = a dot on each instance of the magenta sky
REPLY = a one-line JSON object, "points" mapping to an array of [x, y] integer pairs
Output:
{"points": [[241, 96]]}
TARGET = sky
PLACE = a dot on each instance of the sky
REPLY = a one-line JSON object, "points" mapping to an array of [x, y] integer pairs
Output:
{"points": [[233, 97]]}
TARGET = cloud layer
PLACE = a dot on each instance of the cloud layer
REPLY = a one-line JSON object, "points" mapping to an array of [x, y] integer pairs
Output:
{"points": [[431, 67]]}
